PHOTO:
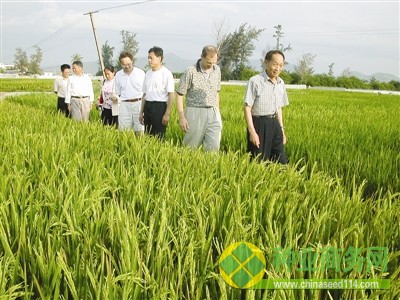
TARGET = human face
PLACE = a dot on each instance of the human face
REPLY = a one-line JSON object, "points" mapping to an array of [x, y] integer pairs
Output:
{"points": [[209, 61], [109, 75], [126, 64], [65, 73], [78, 71], [275, 66], [154, 61]]}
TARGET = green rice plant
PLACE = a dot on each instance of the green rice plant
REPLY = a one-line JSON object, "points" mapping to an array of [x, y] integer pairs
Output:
{"points": [[35, 85], [353, 136], [90, 212], [26, 85]]}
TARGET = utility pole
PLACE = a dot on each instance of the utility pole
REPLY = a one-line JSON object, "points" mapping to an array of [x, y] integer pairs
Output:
{"points": [[97, 44]]}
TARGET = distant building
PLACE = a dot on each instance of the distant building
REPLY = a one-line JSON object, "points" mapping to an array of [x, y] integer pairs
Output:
{"points": [[47, 75], [6, 67]]}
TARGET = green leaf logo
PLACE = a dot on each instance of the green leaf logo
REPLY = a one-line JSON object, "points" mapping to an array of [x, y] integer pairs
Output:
{"points": [[242, 265]]}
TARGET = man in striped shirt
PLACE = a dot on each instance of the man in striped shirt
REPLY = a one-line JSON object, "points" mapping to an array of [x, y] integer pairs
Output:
{"points": [[264, 98]]}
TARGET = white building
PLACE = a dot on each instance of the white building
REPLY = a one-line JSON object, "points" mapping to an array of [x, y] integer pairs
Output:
{"points": [[4, 66]]}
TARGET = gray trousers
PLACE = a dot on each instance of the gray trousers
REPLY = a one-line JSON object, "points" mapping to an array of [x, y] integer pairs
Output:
{"points": [[205, 126], [80, 109]]}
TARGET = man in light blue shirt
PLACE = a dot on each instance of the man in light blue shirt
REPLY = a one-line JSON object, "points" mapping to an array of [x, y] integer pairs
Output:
{"points": [[265, 96]]}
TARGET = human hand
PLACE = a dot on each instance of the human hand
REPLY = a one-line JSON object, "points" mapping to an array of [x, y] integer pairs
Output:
{"points": [[114, 98], [165, 119], [183, 123], [255, 140], [141, 118], [284, 139]]}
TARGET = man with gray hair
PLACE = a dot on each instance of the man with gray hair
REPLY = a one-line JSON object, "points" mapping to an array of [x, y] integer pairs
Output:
{"points": [[201, 120], [263, 101]]}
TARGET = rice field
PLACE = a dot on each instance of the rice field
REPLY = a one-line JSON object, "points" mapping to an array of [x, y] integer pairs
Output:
{"points": [[88, 212]]}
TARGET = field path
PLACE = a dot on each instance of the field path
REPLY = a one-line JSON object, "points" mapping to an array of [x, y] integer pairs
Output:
{"points": [[3, 95]]}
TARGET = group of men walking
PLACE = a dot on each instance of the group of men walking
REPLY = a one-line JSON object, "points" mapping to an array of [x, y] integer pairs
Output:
{"points": [[143, 101]]}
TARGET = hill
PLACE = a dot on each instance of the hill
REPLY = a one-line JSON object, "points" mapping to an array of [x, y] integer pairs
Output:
{"points": [[178, 64], [171, 61], [382, 77]]}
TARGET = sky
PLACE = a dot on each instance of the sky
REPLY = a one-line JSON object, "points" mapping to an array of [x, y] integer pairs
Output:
{"points": [[360, 36]]}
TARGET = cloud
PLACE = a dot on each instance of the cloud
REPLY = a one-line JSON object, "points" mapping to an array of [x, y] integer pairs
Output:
{"points": [[357, 34]]}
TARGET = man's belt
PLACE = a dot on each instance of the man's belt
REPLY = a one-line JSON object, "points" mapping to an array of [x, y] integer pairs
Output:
{"points": [[79, 97], [132, 100], [271, 116]]}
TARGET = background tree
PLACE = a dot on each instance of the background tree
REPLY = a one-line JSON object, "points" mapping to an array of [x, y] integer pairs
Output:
{"points": [[322, 80], [351, 82], [278, 46], [222, 46], [375, 84], [346, 73], [246, 73], [129, 44], [330, 72], [279, 35], [286, 76], [107, 53], [220, 35], [36, 60], [236, 48], [304, 67], [395, 85], [21, 61], [76, 57]]}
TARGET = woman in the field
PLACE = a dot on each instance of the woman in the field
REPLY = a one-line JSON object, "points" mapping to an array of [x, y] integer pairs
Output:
{"points": [[109, 114]]}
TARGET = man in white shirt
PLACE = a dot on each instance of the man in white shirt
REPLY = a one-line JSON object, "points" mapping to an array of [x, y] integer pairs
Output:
{"points": [[60, 89], [80, 95], [129, 93], [158, 97]]}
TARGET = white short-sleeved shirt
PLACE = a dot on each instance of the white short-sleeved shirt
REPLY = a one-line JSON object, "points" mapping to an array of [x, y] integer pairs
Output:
{"points": [[79, 86], [129, 86], [60, 86], [157, 85]]}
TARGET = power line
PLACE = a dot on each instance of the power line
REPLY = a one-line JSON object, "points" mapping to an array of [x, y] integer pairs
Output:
{"points": [[62, 29], [94, 30], [76, 21], [124, 5]]}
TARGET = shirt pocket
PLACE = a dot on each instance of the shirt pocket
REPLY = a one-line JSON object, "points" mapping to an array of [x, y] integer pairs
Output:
{"points": [[278, 92]]}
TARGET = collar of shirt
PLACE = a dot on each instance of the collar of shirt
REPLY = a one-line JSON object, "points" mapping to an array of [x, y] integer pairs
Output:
{"points": [[267, 78], [200, 69]]}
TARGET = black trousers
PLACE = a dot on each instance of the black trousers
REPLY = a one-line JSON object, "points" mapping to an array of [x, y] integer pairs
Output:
{"points": [[108, 118], [271, 140], [153, 113], [63, 107]]}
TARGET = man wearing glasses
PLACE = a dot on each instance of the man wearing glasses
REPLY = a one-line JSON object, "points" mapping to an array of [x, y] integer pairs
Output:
{"points": [[129, 92]]}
